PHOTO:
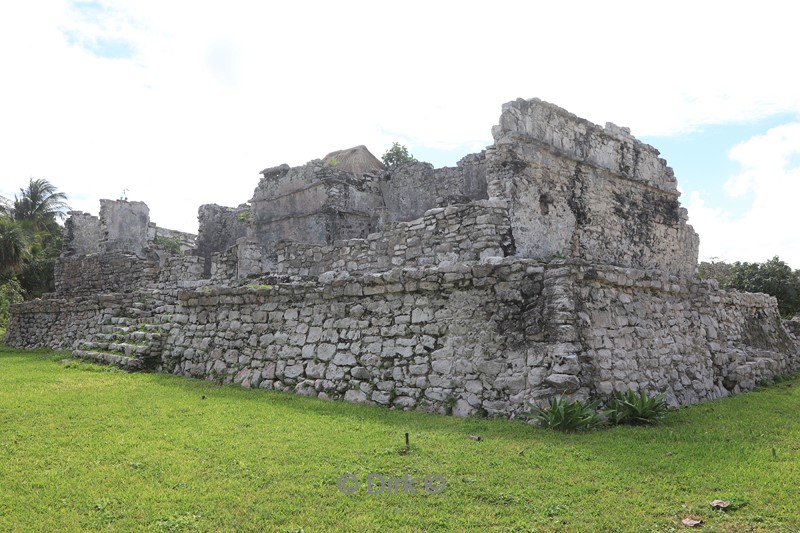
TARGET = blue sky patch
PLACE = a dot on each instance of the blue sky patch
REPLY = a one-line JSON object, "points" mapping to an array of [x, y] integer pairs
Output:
{"points": [[89, 10], [793, 161], [110, 48], [107, 47], [701, 162]]}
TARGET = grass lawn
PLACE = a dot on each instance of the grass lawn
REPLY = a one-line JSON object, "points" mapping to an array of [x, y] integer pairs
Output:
{"points": [[83, 449]]}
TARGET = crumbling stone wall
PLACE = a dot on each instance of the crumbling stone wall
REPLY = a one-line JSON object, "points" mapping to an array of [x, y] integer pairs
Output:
{"points": [[574, 278], [687, 339], [483, 336], [457, 233], [124, 226], [106, 272], [411, 189], [220, 227], [179, 272], [60, 323], [448, 338], [315, 203], [184, 240], [81, 234], [578, 190]]}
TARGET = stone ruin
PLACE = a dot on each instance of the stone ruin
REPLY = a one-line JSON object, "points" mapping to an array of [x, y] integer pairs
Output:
{"points": [[558, 261]]}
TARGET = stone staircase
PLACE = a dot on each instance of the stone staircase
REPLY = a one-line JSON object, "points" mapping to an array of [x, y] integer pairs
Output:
{"points": [[130, 338]]}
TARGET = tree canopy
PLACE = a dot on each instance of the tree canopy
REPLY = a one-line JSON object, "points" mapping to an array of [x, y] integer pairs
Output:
{"points": [[40, 204], [396, 154], [13, 246], [31, 237], [773, 277]]}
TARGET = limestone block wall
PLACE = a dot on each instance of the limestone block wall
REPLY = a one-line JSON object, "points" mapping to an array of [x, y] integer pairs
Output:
{"points": [[450, 338], [792, 327], [124, 226], [468, 338], [466, 232], [81, 234], [410, 189], [484, 336], [178, 272], [314, 203], [582, 191], [59, 323], [219, 229], [684, 338], [105, 272], [185, 240]]}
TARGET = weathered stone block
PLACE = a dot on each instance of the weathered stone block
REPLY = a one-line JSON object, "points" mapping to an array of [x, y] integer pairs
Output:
{"points": [[325, 351]]}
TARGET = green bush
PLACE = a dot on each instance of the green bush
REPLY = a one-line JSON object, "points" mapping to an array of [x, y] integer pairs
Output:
{"points": [[773, 277], [170, 244], [636, 409], [396, 154], [566, 415]]}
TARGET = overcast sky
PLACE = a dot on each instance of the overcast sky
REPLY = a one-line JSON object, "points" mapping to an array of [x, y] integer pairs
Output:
{"points": [[183, 103]]}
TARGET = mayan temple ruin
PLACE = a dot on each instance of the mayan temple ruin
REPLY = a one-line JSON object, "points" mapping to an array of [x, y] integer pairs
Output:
{"points": [[558, 261]]}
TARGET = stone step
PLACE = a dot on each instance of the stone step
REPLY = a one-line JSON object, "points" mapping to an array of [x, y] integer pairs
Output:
{"points": [[108, 336], [130, 364], [130, 337], [130, 350], [144, 336], [92, 344], [121, 348]]}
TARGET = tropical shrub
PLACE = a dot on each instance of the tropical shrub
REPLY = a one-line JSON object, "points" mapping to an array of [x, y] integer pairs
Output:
{"points": [[566, 415], [170, 244], [396, 154], [636, 409]]}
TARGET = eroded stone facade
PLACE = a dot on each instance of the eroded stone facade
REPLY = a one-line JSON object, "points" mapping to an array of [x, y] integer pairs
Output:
{"points": [[557, 261]]}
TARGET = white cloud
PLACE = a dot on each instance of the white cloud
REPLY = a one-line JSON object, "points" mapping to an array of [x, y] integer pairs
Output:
{"points": [[216, 92], [770, 177]]}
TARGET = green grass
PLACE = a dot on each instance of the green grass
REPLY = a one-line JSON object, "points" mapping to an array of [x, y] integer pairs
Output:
{"points": [[82, 448]]}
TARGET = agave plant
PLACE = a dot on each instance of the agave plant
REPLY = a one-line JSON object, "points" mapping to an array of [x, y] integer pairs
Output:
{"points": [[636, 409], [566, 415]]}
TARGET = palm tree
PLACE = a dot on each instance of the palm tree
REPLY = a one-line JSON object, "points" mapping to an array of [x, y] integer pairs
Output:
{"points": [[40, 204], [14, 248]]}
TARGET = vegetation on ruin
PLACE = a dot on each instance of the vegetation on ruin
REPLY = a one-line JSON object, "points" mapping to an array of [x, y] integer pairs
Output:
{"points": [[567, 415], [84, 448], [636, 409], [170, 244], [630, 407], [259, 285], [773, 277], [397, 154]]}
